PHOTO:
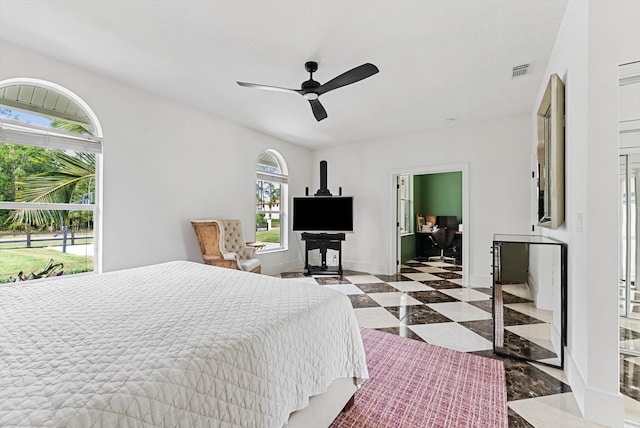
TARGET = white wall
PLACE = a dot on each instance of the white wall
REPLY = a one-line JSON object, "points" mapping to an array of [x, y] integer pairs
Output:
{"points": [[544, 276], [569, 61], [497, 154], [164, 164], [595, 37]]}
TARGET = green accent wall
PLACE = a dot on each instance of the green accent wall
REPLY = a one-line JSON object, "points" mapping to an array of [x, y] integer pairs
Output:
{"points": [[433, 194], [408, 248], [438, 194]]}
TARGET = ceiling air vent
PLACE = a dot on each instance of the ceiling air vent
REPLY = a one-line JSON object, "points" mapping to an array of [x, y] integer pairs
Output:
{"points": [[519, 71]]}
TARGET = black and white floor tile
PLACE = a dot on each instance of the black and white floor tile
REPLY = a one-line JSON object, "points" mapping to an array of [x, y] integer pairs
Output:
{"points": [[426, 301], [630, 367]]}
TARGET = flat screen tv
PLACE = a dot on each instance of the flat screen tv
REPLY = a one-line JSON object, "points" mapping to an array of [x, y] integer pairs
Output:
{"points": [[323, 214]]}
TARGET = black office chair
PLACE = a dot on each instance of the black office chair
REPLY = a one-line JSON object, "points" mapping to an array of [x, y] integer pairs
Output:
{"points": [[443, 239]]}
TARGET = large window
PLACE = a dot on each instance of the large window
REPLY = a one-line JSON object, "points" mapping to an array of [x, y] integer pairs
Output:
{"points": [[49, 149], [271, 197]]}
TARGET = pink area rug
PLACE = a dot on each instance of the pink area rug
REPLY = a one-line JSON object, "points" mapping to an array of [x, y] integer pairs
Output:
{"points": [[414, 384]]}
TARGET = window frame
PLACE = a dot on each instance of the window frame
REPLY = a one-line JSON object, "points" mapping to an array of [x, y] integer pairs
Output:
{"points": [[23, 133], [405, 196], [280, 179]]}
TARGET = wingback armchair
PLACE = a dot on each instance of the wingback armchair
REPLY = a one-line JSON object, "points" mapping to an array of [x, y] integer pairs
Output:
{"points": [[222, 244]]}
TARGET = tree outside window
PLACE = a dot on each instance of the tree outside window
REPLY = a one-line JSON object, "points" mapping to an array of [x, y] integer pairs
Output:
{"points": [[271, 184], [47, 180]]}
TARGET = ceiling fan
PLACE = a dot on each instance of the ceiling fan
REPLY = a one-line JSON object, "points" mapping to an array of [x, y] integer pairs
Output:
{"points": [[311, 89]]}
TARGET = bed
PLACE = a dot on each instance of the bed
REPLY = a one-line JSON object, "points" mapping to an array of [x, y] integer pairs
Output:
{"points": [[175, 344]]}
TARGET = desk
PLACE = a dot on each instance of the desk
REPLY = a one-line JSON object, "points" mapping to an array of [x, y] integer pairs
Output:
{"points": [[426, 248]]}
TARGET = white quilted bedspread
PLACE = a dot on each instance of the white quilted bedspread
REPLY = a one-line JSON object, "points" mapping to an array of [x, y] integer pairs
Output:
{"points": [[174, 344]]}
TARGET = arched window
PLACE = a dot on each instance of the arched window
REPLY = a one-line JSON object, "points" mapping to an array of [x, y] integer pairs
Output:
{"points": [[50, 146], [271, 200]]}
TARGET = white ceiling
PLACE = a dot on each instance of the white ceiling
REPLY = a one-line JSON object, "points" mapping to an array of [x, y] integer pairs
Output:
{"points": [[438, 59]]}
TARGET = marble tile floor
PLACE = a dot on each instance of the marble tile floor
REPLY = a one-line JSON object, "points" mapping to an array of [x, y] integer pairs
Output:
{"points": [[630, 368], [426, 302], [526, 329]]}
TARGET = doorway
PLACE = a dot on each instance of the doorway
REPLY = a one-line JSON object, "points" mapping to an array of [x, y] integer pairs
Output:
{"points": [[629, 245], [629, 295], [405, 237]]}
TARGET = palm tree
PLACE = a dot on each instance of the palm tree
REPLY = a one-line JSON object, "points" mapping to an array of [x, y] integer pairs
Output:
{"points": [[71, 127], [71, 180]]}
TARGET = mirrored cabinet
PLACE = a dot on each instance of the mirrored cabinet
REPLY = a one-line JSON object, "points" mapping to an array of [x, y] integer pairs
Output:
{"points": [[530, 298]]}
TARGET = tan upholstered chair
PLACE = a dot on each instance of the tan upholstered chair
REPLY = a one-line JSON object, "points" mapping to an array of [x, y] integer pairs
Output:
{"points": [[222, 244]]}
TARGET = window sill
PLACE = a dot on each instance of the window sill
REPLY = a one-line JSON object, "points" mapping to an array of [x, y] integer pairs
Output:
{"points": [[270, 251]]}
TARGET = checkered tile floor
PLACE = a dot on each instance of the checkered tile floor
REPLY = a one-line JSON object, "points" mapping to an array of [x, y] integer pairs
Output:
{"points": [[630, 367], [426, 301]]}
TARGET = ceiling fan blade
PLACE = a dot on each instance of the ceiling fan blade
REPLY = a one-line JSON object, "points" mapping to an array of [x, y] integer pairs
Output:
{"points": [[266, 87], [354, 75], [318, 110]]}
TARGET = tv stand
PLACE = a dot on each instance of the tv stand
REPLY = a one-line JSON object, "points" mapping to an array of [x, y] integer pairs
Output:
{"points": [[323, 242]]}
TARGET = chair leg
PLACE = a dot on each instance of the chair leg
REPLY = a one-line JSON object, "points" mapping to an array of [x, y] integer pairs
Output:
{"points": [[440, 257], [447, 258]]}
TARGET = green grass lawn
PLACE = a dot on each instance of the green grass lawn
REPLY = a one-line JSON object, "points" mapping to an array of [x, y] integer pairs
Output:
{"points": [[272, 235], [35, 259]]}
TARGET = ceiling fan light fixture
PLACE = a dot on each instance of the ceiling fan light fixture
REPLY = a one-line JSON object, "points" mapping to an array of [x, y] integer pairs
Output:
{"points": [[311, 89]]}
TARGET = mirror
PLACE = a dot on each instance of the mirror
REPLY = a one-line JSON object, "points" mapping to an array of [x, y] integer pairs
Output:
{"points": [[529, 298], [550, 154]]}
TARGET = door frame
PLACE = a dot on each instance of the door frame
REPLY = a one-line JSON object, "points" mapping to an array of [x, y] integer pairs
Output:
{"points": [[394, 230]]}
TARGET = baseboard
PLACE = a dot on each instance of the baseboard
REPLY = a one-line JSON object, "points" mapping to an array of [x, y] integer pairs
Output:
{"points": [[270, 268], [371, 268], [597, 406], [604, 408], [575, 378]]}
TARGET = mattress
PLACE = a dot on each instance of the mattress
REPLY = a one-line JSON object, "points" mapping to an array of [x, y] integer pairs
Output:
{"points": [[173, 344]]}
